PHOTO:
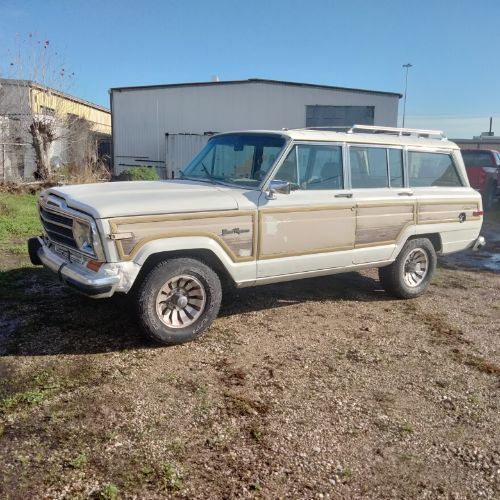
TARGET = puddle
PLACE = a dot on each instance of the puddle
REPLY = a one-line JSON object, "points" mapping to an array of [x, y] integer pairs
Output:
{"points": [[486, 259]]}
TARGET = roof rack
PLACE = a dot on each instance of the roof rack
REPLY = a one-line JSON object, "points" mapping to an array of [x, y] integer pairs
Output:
{"points": [[397, 131]]}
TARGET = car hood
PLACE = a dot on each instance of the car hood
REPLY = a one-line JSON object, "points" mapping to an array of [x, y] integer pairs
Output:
{"points": [[120, 199]]}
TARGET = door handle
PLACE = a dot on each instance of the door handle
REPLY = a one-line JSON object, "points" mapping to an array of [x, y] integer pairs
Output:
{"points": [[405, 193], [343, 195]]}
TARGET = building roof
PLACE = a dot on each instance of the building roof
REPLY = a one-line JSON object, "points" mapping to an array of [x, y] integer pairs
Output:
{"points": [[256, 80], [32, 84]]}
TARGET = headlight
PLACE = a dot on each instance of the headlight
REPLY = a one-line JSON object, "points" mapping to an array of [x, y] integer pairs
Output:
{"points": [[83, 236]]}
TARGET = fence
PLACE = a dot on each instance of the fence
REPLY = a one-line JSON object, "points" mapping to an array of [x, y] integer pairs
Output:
{"points": [[17, 162]]}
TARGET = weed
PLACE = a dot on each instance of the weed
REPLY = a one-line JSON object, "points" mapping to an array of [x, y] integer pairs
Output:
{"points": [[177, 447], [30, 397], [78, 462], [347, 474], [171, 477], [256, 432], [474, 398], [407, 428], [109, 492]]}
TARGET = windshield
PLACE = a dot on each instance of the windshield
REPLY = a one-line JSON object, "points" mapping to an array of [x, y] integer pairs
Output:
{"points": [[243, 159]]}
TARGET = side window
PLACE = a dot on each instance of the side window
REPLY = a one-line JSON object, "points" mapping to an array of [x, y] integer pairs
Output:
{"points": [[368, 167], [396, 167], [313, 168], [432, 169]]}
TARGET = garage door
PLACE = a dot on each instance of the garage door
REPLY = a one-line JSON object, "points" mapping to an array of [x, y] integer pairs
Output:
{"points": [[339, 116]]}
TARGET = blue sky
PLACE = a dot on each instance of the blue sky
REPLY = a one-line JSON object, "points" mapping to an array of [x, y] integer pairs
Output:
{"points": [[454, 46]]}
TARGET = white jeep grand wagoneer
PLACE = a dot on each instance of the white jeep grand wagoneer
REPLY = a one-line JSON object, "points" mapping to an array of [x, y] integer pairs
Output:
{"points": [[262, 207]]}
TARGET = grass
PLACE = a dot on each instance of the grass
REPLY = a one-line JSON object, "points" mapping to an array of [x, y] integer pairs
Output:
{"points": [[18, 217]]}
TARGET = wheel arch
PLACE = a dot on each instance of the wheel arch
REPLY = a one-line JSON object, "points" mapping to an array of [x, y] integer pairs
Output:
{"points": [[434, 238], [202, 254]]}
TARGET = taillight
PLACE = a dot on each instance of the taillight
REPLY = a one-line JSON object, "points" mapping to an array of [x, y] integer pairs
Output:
{"points": [[477, 213]]}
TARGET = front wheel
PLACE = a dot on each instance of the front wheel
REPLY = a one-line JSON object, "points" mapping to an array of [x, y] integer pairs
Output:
{"points": [[410, 274], [178, 300]]}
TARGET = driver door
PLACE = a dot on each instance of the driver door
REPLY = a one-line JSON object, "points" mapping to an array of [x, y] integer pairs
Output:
{"points": [[313, 227]]}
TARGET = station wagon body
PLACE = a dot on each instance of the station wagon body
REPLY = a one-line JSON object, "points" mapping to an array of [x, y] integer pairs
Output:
{"points": [[262, 207]]}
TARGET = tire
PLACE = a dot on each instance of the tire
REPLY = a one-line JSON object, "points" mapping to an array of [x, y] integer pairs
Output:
{"points": [[187, 292], [398, 278]]}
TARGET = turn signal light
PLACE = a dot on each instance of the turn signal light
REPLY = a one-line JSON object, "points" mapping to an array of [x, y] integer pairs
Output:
{"points": [[94, 265], [477, 213]]}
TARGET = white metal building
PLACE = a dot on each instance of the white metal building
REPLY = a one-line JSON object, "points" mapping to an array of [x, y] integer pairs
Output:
{"points": [[166, 125]]}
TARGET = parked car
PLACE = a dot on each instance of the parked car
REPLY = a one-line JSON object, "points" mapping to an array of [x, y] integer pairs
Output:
{"points": [[263, 207], [483, 170]]}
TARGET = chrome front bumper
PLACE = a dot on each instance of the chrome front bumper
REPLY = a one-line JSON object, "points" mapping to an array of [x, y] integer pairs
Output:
{"points": [[479, 243], [94, 284]]}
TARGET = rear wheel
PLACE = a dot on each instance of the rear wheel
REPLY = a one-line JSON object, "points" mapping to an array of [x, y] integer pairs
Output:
{"points": [[178, 300], [411, 273]]}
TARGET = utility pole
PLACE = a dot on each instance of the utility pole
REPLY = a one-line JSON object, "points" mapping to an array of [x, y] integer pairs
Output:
{"points": [[407, 66]]}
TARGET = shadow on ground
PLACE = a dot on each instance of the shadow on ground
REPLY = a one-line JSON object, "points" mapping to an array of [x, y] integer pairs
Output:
{"points": [[41, 317]]}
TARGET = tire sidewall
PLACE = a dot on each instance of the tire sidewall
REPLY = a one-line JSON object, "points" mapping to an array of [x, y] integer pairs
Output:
{"points": [[156, 279], [423, 244]]}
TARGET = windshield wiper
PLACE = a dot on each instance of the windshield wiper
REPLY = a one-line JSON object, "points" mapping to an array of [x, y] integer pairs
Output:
{"points": [[208, 178]]}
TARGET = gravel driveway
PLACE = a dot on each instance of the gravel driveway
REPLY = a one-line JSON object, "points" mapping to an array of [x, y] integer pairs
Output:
{"points": [[323, 388]]}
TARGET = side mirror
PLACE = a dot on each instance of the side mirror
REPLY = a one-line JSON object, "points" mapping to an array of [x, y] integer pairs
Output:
{"points": [[277, 186]]}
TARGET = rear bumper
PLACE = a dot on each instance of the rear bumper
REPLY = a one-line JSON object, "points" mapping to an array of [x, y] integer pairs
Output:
{"points": [[479, 243], [94, 284]]}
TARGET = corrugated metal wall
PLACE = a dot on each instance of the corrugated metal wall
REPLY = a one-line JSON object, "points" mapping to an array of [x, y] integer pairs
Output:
{"points": [[180, 150], [142, 117]]}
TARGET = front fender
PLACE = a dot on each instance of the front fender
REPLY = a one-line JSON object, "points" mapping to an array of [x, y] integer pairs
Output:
{"points": [[245, 270]]}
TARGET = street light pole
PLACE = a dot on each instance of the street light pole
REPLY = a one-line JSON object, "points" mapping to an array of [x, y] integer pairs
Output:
{"points": [[407, 67]]}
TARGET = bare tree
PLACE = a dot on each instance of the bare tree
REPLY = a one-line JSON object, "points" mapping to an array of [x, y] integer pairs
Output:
{"points": [[35, 71]]}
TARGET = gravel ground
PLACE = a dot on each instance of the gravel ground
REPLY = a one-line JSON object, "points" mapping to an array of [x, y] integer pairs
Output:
{"points": [[323, 388]]}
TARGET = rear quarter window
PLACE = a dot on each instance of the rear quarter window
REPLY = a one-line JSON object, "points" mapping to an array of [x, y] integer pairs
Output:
{"points": [[432, 170]]}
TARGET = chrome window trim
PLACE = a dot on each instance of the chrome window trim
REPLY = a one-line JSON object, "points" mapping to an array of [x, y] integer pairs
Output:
{"points": [[286, 150], [386, 147], [450, 153]]}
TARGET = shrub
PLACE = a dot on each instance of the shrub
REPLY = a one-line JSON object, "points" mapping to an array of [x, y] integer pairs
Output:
{"points": [[139, 174]]}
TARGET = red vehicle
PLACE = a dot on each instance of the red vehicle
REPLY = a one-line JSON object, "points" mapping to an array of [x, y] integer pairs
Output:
{"points": [[483, 170]]}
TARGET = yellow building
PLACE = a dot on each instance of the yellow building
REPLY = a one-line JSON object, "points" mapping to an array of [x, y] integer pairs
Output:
{"points": [[21, 100]]}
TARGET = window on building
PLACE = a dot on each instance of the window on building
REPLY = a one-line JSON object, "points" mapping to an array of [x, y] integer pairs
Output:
{"points": [[368, 167], [311, 167], [339, 116], [432, 169], [47, 111], [72, 118]]}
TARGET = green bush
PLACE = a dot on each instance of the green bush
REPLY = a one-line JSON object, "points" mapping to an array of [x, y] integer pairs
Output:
{"points": [[139, 174]]}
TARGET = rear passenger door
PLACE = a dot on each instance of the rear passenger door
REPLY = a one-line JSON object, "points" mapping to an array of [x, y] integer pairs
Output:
{"points": [[385, 206]]}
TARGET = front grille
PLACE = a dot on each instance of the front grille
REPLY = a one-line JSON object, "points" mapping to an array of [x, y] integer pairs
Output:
{"points": [[59, 228]]}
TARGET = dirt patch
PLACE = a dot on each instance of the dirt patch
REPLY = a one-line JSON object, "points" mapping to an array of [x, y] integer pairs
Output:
{"points": [[323, 388]]}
